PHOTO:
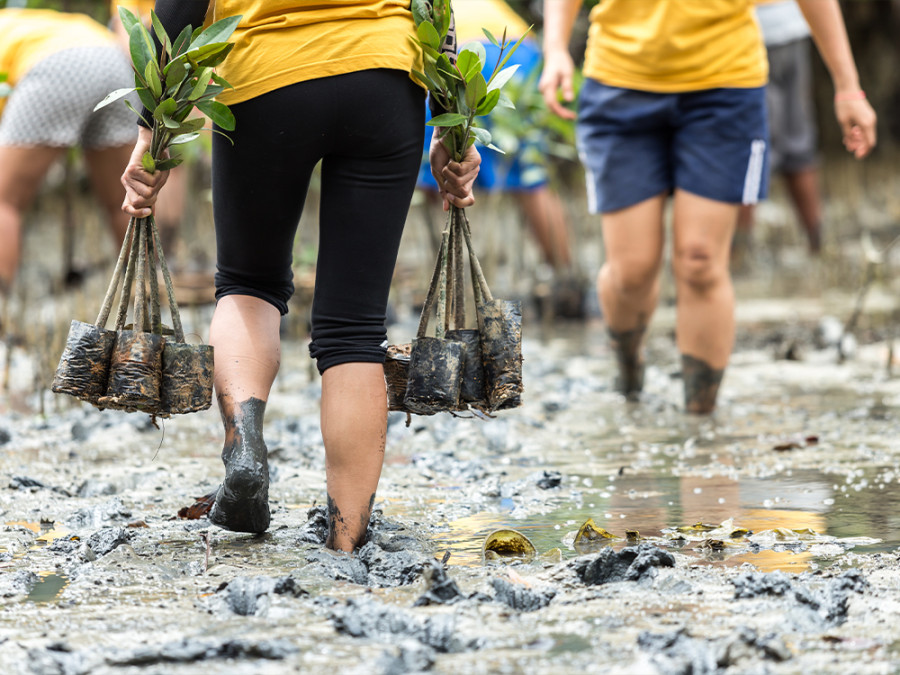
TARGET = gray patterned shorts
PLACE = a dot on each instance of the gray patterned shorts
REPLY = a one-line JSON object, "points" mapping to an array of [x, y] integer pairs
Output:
{"points": [[53, 104]]}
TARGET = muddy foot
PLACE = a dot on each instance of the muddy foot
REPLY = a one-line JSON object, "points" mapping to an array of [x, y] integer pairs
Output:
{"points": [[242, 501], [701, 385], [626, 346]]}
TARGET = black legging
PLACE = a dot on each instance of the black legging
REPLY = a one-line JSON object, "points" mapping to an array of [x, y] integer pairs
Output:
{"points": [[367, 129]]}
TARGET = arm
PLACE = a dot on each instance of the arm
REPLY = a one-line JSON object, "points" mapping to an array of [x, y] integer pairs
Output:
{"points": [[142, 188], [853, 112], [559, 18]]}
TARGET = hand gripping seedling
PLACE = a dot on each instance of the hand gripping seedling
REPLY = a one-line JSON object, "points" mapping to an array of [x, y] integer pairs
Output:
{"points": [[146, 367], [459, 368]]}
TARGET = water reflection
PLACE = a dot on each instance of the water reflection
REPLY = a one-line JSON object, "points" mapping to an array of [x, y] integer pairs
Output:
{"points": [[796, 512], [48, 588]]}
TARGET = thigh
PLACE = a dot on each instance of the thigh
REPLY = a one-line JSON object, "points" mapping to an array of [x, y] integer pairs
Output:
{"points": [[22, 171], [702, 229], [719, 147], [634, 237], [260, 177], [368, 177], [623, 140]]}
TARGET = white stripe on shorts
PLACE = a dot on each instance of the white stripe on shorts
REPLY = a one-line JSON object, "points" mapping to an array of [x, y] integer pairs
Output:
{"points": [[753, 177], [590, 183]]}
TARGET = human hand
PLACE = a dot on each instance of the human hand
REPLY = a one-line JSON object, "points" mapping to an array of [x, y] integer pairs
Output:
{"points": [[454, 179], [857, 120], [141, 187], [557, 76]]}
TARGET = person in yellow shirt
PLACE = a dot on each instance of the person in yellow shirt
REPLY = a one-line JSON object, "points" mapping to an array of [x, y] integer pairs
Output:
{"points": [[60, 66], [674, 104], [313, 81]]}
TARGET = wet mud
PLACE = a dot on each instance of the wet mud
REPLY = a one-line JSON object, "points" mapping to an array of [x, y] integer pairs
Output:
{"points": [[761, 539]]}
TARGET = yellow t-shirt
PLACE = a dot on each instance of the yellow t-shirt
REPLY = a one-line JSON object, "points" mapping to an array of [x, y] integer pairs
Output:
{"points": [[281, 42], [29, 35], [140, 8], [676, 45], [495, 15]]}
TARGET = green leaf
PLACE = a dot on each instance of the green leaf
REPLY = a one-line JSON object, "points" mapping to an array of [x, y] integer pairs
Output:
{"points": [[218, 113], [189, 126], [160, 31], [211, 92], [421, 11], [203, 78], [478, 48], [469, 64], [442, 13], [501, 78], [128, 19], [141, 53], [447, 120], [483, 136], [132, 109], [148, 163], [175, 72], [196, 55], [505, 101], [475, 91], [429, 36], [184, 138], [222, 82], [512, 50], [112, 97], [490, 36], [151, 75], [168, 163], [214, 59], [182, 42], [147, 99], [4, 77], [446, 68], [220, 31], [489, 102]]}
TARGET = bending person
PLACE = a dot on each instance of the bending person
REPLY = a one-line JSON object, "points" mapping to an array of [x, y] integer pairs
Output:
{"points": [[674, 104], [60, 66], [346, 99]]}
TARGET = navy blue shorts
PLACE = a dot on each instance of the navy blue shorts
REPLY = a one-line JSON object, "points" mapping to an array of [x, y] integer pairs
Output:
{"points": [[635, 145]]}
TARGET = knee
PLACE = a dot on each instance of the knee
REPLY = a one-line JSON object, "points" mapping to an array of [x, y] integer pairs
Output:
{"points": [[633, 278], [696, 268]]}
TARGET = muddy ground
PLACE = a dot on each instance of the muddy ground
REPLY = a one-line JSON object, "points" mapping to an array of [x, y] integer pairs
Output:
{"points": [[762, 539]]}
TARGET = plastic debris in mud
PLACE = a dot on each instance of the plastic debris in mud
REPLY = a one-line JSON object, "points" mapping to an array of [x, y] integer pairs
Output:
{"points": [[506, 544], [590, 537]]}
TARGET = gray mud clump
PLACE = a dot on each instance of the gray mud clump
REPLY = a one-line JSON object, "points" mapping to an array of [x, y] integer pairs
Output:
{"points": [[251, 596], [635, 563], [520, 597]]}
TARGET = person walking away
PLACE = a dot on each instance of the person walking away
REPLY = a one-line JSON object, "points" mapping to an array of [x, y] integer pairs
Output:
{"points": [[793, 138], [303, 94], [673, 103], [60, 65]]}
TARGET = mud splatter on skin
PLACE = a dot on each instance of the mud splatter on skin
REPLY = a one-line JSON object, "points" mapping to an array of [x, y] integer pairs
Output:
{"points": [[626, 345], [336, 523], [701, 385], [242, 502]]}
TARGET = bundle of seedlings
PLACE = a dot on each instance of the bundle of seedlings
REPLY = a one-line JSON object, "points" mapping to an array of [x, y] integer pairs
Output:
{"points": [[459, 368], [145, 366]]}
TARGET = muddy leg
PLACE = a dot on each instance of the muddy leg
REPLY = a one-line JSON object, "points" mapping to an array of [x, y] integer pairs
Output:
{"points": [[627, 347], [701, 385], [244, 333], [242, 502], [354, 426], [704, 294]]}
